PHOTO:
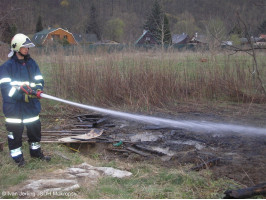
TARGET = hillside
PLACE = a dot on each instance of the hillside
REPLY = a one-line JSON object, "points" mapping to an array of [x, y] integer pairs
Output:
{"points": [[184, 15]]}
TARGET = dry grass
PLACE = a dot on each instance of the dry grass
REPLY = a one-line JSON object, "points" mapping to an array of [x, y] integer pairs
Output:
{"points": [[141, 80], [145, 79]]}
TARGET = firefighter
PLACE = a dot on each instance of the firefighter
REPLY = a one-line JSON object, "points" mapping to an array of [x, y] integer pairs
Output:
{"points": [[21, 85]]}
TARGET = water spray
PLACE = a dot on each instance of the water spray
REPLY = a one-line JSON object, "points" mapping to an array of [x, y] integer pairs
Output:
{"points": [[196, 126]]}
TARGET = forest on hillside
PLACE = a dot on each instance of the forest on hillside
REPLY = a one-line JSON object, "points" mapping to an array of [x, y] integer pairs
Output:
{"points": [[129, 16]]}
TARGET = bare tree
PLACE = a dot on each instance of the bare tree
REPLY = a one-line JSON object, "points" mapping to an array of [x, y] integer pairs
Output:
{"points": [[216, 34], [157, 23], [164, 32], [250, 49], [252, 53]]}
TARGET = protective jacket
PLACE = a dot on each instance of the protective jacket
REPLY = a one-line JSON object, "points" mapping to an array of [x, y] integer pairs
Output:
{"points": [[18, 107]]}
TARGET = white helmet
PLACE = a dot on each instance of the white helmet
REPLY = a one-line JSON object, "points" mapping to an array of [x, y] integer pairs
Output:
{"points": [[18, 41]]}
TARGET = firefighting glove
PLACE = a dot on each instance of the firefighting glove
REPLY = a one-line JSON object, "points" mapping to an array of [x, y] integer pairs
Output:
{"points": [[26, 89], [26, 98], [29, 92]]}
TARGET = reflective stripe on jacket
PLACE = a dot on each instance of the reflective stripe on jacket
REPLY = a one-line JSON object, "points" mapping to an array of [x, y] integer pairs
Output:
{"points": [[13, 74]]}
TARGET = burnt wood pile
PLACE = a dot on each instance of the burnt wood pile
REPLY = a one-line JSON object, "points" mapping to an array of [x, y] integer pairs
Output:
{"points": [[97, 128], [146, 140], [83, 125]]}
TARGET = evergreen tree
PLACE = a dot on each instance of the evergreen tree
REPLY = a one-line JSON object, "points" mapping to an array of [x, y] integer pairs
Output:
{"points": [[262, 27], [39, 26], [93, 26], [157, 23]]}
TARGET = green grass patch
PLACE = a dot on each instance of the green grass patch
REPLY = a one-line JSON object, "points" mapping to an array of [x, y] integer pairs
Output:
{"points": [[159, 183], [149, 181]]}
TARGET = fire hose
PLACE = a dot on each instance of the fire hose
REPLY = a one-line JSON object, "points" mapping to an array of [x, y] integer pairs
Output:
{"points": [[196, 126]]}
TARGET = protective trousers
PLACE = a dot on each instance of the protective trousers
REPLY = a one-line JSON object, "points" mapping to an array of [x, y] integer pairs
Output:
{"points": [[15, 132]]}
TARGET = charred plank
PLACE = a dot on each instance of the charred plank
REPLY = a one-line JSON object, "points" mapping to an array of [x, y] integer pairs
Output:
{"points": [[117, 150], [100, 122], [109, 125], [143, 148], [61, 132], [80, 120], [137, 151], [85, 126], [89, 116], [80, 130], [155, 127], [259, 189]]}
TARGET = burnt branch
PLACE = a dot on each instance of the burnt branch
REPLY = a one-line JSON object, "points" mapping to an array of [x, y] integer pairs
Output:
{"points": [[248, 192]]}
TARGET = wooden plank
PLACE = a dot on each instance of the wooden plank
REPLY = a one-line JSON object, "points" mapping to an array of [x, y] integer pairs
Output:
{"points": [[137, 151], [85, 126], [82, 123], [60, 135], [80, 130], [63, 142], [100, 122], [89, 116], [259, 189], [92, 134], [80, 120], [68, 140], [59, 131], [118, 150], [143, 148]]}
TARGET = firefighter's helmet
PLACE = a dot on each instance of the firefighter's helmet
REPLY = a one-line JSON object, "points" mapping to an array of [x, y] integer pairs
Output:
{"points": [[18, 41]]}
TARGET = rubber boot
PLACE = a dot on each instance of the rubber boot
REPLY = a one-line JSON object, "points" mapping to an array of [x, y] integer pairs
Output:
{"points": [[38, 154], [44, 158], [20, 161]]}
